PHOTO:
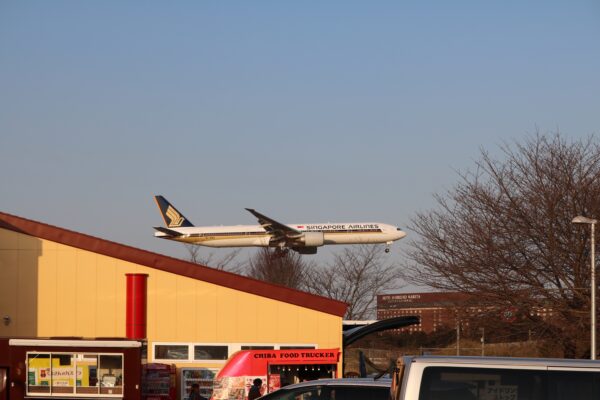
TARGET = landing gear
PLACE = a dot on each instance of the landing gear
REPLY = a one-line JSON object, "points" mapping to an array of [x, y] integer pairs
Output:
{"points": [[387, 247]]}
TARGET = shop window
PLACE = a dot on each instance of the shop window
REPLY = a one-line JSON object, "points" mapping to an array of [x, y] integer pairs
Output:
{"points": [[63, 373], [87, 373], [38, 373], [202, 352], [72, 374], [258, 347], [295, 347], [171, 352], [110, 372]]}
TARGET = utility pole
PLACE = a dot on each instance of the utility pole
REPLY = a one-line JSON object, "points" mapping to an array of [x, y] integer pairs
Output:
{"points": [[457, 336], [482, 342]]}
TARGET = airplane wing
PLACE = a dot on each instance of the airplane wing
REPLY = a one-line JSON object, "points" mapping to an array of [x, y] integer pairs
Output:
{"points": [[279, 231]]}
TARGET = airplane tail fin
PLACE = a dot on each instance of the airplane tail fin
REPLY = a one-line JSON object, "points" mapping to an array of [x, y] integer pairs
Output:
{"points": [[172, 217]]}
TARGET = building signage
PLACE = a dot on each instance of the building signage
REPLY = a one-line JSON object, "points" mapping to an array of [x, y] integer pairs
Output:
{"points": [[305, 356], [339, 227], [395, 299]]}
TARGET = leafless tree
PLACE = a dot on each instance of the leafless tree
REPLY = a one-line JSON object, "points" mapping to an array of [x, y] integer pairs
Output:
{"points": [[229, 262], [356, 275], [503, 233], [287, 269]]}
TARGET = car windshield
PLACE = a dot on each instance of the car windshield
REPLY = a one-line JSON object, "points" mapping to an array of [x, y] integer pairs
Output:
{"points": [[309, 393], [359, 393]]}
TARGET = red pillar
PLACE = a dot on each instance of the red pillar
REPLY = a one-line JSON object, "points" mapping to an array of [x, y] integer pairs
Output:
{"points": [[136, 306]]}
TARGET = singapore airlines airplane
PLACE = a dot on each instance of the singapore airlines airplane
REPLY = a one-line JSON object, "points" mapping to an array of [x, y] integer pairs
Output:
{"points": [[303, 238]]}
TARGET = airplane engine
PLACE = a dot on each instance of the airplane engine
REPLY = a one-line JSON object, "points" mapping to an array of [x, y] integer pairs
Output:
{"points": [[312, 239], [305, 250]]}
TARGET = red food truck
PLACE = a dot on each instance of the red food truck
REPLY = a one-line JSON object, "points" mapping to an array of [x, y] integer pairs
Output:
{"points": [[276, 368]]}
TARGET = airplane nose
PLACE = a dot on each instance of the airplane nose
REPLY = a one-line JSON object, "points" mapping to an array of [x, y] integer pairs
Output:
{"points": [[400, 234]]}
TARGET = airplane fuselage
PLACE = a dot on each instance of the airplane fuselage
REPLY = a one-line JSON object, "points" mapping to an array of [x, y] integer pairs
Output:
{"points": [[256, 236], [302, 238]]}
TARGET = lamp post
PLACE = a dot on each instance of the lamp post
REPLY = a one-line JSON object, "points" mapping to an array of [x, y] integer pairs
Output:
{"points": [[584, 220]]}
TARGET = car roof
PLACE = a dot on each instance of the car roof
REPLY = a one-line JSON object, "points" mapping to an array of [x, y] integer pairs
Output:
{"points": [[383, 382], [504, 361]]}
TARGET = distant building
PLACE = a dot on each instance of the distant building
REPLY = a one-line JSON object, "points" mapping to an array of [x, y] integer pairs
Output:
{"points": [[440, 309], [435, 309]]}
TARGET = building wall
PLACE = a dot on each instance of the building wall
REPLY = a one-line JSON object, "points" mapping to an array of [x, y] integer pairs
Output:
{"points": [[19, 255], [436, 310], [50, 289]]}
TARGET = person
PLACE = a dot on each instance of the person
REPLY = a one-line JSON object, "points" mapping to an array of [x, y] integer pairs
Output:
{"points": [[195, 393], [254, 392]]}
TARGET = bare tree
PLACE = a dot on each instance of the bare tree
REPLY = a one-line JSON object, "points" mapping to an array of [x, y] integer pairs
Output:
{"points": [[356, 275], [228, 262], [287, 269], [504, 234]]}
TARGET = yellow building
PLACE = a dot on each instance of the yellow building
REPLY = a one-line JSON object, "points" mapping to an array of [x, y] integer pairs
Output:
{"points": [[55, 282]]}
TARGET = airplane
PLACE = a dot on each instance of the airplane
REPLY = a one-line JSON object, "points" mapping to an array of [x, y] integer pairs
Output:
{"points": [[302, 238]]}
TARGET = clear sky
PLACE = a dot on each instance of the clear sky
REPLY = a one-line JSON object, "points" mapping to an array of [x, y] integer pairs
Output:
{"points": [[308, 111]]}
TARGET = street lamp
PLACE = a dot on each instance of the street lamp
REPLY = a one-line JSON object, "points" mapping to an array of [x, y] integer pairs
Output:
{"points": [[584, 220]]}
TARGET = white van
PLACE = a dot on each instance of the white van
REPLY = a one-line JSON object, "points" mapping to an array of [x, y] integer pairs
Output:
{"points": [[490, 378]]}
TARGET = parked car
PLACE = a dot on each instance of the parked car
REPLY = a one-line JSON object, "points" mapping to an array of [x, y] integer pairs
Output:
{"points": [[334, 389], [484, 378]]}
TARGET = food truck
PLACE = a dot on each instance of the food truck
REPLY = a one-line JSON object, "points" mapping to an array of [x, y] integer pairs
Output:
{"points": [[276, 368]]}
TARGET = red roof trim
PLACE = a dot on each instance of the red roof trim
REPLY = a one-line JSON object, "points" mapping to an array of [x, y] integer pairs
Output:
{"points": [[173, 265]]}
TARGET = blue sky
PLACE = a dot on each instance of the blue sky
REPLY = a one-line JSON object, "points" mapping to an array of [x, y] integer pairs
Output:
{"points": [[306, 111]]}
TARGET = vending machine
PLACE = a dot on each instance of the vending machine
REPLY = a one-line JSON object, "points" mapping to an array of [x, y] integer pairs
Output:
{"points": [[202, 376], [159, 381]]}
